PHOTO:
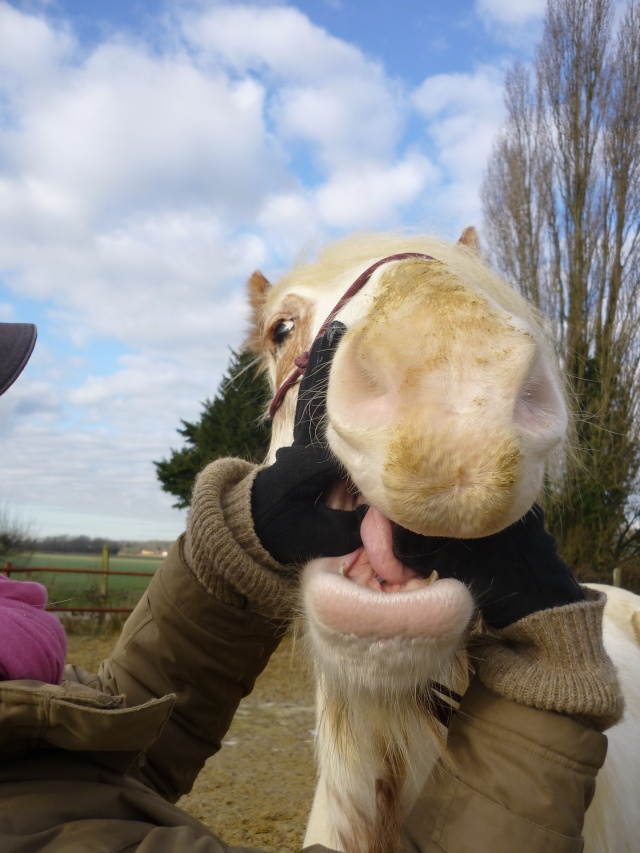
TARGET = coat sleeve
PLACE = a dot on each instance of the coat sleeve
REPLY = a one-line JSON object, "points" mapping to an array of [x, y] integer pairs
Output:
{"points": [[526, 744], [182, 641], [517, 778]]}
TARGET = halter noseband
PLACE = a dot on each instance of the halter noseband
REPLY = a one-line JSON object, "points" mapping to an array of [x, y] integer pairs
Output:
{"points": [[301, 361]]}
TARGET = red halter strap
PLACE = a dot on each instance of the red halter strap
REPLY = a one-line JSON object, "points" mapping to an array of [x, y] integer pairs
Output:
{"points": [[301, 361]]}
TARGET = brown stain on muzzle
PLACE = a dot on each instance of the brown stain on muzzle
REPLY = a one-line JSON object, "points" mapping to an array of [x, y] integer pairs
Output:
{"points": [[445, 472], [436, 488]]}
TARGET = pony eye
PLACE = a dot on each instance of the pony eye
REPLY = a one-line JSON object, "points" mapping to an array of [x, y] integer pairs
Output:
{"points": [[282, 331]]}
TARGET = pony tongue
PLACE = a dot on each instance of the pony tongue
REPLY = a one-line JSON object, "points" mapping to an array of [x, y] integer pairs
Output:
{"points": [[376, 532]]}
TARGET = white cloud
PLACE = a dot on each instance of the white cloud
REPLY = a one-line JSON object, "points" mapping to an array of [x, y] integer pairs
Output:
{"points": [[289, 220], [462, 113], [7, 312], [508, 12], [370, 194], [82, 469], [327, 94], [153, 281], [518, 24], [90, 448], [342, 124], [138, 183], [279, 40], [128, 129], [141, 183], [28, 399], [30, 49], [128, 186]]}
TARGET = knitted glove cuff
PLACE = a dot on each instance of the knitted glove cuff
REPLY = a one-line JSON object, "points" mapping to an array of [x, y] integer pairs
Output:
{"points": [[554, 660], [221, 546]]}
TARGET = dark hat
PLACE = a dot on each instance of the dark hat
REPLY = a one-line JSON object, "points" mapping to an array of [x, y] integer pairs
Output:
{"points": [[17, 341]]}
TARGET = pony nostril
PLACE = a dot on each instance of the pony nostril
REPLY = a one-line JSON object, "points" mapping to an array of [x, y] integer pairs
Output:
{"points": [[539, 404], [370, 384], [360, 385]]}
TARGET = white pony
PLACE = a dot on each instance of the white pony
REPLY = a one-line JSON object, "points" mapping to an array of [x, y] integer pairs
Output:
{"points": [[444, 405]]}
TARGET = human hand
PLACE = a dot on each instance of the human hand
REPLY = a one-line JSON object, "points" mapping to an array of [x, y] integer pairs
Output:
{"points": [[511, 574], [290, 516]]}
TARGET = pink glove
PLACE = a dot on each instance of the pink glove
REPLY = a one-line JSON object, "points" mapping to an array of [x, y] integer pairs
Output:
{"points": [[33, 644]]}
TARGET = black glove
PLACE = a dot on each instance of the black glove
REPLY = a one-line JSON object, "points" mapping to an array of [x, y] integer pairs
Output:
{"points": [[287, 500], [511, 574]]}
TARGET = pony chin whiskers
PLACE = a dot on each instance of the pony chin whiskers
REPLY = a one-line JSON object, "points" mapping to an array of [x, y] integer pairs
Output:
{"points": [[378, 735]]}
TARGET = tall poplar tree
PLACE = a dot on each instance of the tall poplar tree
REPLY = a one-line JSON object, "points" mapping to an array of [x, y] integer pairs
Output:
{"points": [[561, 198]]}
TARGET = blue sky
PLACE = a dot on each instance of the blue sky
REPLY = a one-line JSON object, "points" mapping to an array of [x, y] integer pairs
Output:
{"points": [[153, 154]]}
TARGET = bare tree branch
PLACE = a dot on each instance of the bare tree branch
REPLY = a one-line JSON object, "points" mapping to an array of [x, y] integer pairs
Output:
{"points": [[562, 206]]}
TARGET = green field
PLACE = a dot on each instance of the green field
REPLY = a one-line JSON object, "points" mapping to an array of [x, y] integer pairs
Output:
{"points": [[80, 590]]}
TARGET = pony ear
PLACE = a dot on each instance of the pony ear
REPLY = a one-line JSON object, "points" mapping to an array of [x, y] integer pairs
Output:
{"points": [[257, 290], [470, 239]]}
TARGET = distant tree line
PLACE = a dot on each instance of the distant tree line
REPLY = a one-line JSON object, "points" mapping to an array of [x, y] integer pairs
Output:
{"points": [[15, 533], [77, 545], [74, 545], [15, 538]]}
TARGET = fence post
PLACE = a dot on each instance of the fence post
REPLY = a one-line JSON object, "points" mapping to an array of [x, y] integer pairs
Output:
{"points": [[104, 577], [617, 577], [7, 570]]}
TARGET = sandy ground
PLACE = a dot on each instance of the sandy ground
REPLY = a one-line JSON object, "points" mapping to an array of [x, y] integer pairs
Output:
{"points": [[257, 790]]}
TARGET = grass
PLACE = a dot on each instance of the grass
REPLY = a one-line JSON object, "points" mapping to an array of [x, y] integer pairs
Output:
{"points": [[79, 590]]}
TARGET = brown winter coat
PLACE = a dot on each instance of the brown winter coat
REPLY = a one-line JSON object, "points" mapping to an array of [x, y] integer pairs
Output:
{"points": [[82, 765], [95, 763]]}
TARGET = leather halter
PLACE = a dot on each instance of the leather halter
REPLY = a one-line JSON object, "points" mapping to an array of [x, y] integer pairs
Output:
{"points": [[301, 361]]}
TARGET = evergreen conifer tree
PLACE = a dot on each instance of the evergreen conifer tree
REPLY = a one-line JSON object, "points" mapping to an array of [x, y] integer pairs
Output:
{"points": [[232, 424]]}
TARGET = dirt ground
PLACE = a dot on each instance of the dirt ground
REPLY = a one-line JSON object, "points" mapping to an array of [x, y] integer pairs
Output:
{"points": [[257, 790]]}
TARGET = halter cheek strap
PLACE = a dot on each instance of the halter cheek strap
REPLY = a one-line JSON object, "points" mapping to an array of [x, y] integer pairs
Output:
{"points": [[301, 360]]}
